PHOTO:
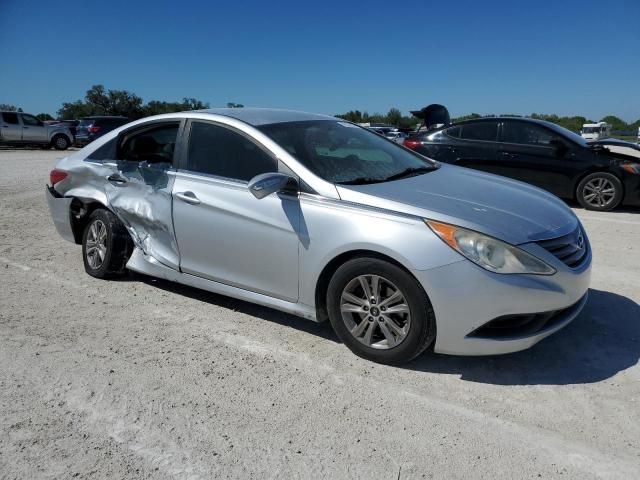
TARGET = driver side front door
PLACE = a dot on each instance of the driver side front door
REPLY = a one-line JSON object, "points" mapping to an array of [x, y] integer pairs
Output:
{"points": [[224, 233]]}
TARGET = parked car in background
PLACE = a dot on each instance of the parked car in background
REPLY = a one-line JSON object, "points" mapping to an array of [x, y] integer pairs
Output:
{"points": [[397, 137], [72, 125], [90, 128], [595, 131], [540, 153], [18, 128], [321, 218]]}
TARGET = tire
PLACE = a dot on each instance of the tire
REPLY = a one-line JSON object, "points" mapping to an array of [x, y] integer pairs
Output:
{"points": [[599, 191], [116, 246], [60, 142], [413, 314]]}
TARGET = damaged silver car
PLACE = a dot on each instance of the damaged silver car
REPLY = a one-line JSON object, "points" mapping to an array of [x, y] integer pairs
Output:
{"points": [[323, 219]]}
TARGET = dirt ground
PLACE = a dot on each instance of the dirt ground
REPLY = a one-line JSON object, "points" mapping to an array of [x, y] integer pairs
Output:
{"points": [[147, 379]]}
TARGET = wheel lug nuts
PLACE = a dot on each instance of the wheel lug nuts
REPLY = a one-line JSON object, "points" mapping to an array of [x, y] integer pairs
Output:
{"points": [[373, 301], [370, 319], [383, 308], [365, 308]]}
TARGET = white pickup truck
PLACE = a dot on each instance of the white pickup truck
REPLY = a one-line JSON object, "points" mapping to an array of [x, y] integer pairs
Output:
{"points": [[17, 128]]}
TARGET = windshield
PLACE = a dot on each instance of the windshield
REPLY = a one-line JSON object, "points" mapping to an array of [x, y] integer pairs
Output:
{"points": [[340, 152], [591, 130]]}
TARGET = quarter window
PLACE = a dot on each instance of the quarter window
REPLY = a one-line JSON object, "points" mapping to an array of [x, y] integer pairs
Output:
{"points": [[219, 151], [486, 131], [527, 134], [10, 117], [453, 132]]}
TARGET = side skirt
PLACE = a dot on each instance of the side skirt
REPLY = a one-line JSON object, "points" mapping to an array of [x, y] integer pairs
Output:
{"points": [[147, 265]]}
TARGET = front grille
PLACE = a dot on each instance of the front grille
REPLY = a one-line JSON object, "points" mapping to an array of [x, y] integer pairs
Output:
{"points": [[571, 249]]}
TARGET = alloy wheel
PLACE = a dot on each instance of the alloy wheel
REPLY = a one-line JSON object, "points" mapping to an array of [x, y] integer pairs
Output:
{"points": [[61, 142], [96, 249], [375, 311], [599, 192]]}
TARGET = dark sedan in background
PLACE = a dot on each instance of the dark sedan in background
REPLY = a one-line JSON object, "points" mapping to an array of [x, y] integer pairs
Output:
{"points": [[597, 175], [91, 128]]}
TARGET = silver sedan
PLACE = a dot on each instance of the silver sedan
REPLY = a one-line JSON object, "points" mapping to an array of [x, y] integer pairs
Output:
{"points": [[323, 219]]}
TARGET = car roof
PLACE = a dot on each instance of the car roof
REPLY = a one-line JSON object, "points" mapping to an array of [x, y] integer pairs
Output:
{"points": [[264, 116], [500, 119]]}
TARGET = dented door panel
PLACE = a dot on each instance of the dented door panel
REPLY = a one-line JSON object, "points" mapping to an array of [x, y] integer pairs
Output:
{"points": [[139, 193]]}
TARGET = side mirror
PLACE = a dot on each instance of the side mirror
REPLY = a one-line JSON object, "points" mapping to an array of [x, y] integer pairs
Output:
{"points": [[560, 148], [267, 183]]}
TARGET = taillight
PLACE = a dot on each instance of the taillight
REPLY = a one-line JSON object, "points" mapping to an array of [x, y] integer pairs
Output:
{"points": [[411, 143], [93, 129], [56, 176]]}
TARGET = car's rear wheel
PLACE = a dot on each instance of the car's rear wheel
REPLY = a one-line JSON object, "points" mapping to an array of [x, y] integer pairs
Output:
{"points": [[60, 142], [106, 245], [599, 191], [380, 311]]}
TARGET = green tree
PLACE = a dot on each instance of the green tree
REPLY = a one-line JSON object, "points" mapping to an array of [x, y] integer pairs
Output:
{"points": [[234, 105], [5, 107], [44, 116], [99, 101], [616, 123], [394, 116]]}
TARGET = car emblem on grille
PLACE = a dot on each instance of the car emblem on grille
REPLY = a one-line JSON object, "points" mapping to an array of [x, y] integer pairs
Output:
{"points": [[580, 241]]}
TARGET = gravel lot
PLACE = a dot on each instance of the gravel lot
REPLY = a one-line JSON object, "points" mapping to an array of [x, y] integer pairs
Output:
{"points": [[148, 379]]}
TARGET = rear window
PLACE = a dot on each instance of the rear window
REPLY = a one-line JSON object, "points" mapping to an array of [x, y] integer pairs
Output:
{"points": [[85, 122]]}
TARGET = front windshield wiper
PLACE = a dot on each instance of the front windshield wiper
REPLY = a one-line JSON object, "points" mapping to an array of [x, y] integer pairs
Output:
{"points": [[410, 172], [362, 181]]}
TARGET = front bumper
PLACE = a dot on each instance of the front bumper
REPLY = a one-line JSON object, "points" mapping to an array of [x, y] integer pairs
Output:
{"points": [[60, 208], [465, 297]]}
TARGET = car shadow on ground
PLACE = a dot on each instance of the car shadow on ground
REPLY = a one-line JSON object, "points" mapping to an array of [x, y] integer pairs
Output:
{"points": [[602, 341], [322, 330]]}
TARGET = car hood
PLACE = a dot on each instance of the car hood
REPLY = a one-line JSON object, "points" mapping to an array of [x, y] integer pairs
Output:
{"points": [[506, 209]]}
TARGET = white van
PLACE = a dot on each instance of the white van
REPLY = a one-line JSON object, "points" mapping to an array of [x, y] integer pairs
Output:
{"points": [[595, 131]]}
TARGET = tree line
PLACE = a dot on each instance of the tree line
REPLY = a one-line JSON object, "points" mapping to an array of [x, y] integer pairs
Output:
{"points": [[100, 101]]}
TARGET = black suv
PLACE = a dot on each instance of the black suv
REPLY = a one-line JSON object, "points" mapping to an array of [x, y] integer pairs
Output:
{"points": [[91, 128], [540, 153]]}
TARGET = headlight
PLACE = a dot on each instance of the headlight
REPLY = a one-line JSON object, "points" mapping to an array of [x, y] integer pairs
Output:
{"points": [[489, 253]]}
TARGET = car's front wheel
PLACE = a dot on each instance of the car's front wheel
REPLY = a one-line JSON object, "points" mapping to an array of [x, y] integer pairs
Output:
{"points": [[60, 142], [106, 245], [599, 191], [380, 311]]}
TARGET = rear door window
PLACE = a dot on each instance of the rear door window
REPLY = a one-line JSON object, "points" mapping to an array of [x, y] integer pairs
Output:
{"points": [[10, 117], [220, 151], [485, 131], [152, 145]]}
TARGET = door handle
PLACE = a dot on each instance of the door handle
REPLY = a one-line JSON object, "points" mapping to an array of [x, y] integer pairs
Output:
{"points": [[452, 149], [188, 197], [508, 154], [25, 127], [116, 178]]}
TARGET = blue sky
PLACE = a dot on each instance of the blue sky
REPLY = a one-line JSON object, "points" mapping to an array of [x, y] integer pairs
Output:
{"points": [[564, 57]]}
